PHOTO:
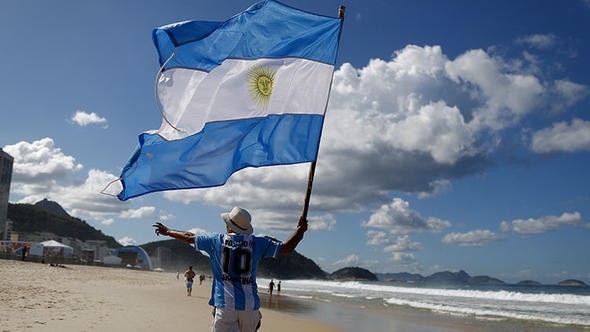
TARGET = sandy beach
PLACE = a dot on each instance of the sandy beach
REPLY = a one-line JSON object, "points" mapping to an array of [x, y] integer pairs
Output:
{"points": [[39, 297]]}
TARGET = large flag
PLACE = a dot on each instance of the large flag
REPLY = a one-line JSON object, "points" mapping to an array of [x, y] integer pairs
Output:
{"points": [[248, 92]]}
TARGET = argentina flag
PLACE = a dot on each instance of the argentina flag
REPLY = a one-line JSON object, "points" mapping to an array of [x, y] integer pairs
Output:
{"points": [[248, 92]]}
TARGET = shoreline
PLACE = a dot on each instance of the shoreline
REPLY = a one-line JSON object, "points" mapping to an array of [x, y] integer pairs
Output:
{"points": [[378, 317]]}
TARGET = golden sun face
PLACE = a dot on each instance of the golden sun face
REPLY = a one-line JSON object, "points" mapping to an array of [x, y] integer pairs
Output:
{"points": [[260, 82]]}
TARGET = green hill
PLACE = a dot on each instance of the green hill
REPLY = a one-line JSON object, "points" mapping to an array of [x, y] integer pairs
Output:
{"points": [[29, 218], [290, 266]]}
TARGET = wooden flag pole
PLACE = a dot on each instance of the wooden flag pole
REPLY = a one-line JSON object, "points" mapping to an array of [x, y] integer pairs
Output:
{"points": [[341, 12]]}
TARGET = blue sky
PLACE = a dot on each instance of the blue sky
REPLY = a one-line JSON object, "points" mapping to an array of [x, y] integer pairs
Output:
{"points": [[457, 135]]}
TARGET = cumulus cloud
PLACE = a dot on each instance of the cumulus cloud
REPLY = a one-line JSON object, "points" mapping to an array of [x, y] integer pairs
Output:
{"points": [[353, 260], [569, 93], [377, 238], [42, 170], [562, 137], [107, 222], [403, 258], [198, 231], [322, 223], [505, 97], [543, 224], [144, 212], [411, 124], [39, 163], [127, 241], [83, 119], [398, 218], [476, 238], [539, 41], [403, 244], [350, 260]]}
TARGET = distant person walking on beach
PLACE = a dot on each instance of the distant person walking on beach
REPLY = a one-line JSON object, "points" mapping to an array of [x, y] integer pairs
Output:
{"points": [[271, 286], [189, 275], [279, 287], [201, 278], [234, 258]]}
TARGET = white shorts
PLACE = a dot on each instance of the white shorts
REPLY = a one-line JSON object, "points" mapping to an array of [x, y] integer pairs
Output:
{"points": [[227, 320]]}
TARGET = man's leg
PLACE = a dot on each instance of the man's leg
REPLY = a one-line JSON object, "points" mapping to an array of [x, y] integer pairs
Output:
{"points": [[224, 320], [249, 320]]}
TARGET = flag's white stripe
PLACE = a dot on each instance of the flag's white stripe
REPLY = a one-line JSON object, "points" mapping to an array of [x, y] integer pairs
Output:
{"points": [[190, 98]]}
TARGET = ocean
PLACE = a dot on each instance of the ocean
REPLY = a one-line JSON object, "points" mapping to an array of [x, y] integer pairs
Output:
{"points": [[553, 306]]}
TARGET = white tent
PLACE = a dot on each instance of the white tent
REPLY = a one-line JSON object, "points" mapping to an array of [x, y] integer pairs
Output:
{"points": [[56, 249]]}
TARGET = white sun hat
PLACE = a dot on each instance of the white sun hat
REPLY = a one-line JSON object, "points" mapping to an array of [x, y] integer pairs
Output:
{"points": [[238, 220]]}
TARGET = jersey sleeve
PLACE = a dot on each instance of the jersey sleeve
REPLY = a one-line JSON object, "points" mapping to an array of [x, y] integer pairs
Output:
{"points": [[204, 242], [271, 247]]}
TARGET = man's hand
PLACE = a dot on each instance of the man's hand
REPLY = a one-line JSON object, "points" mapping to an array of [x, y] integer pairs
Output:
{"points": [[160, 229], [302, 224]]}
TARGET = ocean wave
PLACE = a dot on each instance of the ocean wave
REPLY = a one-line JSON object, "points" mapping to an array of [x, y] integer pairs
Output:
{"points": [[360, 289], [494, 313]]}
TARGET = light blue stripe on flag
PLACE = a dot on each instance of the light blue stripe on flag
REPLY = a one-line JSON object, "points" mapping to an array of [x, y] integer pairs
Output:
{"points": [[267, 29], [208, 158], [248, 92]]}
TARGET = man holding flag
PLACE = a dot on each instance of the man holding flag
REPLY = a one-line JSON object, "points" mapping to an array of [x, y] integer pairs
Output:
{"points": [[248, 92], [234, 258]]}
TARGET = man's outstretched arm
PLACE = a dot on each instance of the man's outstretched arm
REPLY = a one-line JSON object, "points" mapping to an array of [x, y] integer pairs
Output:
{"points": [[184, 236], [290, 245]]}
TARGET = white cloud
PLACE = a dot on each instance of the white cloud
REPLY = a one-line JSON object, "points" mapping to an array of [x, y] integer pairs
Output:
{"points": [[322, 223], [127, 241], [39, 163], [81, 198], [562, 137], [539, 41], [409, 124], [398, 218], [403, 244], [165, 216], [505, 96], [569, 93], [377, 238], [82, 118], [476, 238], [403, 258], [42, 170], [437, 187], [544, 224], [144, 212], [198, 231], [107, 222], [350, 260]]}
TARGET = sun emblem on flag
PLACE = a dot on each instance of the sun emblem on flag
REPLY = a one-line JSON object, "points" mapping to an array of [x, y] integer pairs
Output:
{"points": [[261, 80]]}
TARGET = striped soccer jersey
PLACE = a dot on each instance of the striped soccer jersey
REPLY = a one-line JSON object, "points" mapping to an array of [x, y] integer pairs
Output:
{"points": [[234, 261]]}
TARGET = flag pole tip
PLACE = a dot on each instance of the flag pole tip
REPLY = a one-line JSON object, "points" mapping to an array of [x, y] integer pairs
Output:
{"points": [[341, 11]]}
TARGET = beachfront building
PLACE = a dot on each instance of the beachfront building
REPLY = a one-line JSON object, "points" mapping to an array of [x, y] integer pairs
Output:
{"points": [[6, 162]]}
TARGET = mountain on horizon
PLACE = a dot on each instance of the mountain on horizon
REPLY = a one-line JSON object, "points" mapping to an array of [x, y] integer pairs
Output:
{"points": [[441, 278]]}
